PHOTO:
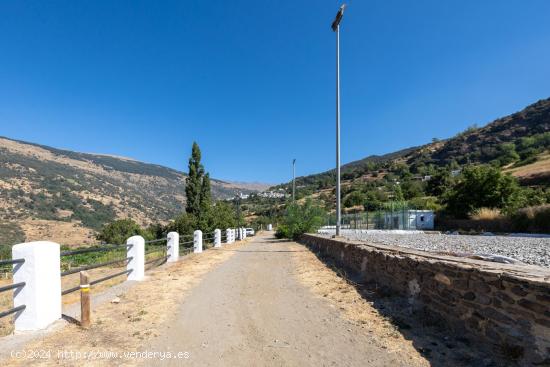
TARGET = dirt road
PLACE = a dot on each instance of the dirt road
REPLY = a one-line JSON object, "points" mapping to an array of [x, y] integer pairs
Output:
{"points": [[253, 310]]}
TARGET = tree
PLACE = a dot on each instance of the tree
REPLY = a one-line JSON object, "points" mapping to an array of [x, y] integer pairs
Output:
{"points": [[194, 182], [374, 199], [222, 216], [354, 198], [200, 213], [397, 193], [483, 187], [300, 219], [119, 231], [439, 183], [205, 200], [412, 189], [185, 224], [506, 154]]}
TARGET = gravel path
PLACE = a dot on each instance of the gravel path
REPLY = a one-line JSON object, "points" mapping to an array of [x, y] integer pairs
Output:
{"points": [[529, 250], [252, 311]]}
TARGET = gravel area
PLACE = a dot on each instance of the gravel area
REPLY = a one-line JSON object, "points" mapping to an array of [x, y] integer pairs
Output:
{"points": [[529, 250]]}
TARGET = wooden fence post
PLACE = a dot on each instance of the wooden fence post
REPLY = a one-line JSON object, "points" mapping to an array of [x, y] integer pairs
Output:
{"points": [[84, 300]]}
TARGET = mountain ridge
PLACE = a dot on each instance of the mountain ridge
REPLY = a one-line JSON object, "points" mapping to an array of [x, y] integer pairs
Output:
{"points": [[474, 145], [44, 190]]}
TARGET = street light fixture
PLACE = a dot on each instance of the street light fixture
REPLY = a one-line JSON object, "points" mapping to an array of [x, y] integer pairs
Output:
{"points": [[336, 28]]}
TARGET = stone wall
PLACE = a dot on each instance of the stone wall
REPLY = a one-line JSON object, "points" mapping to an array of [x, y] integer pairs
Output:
{"points": [[504, 306]]}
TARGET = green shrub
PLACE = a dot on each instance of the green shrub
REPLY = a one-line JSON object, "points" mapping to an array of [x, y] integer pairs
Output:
{"points": [[354, 198], [300, 219], [119, 231], [483, 187]]}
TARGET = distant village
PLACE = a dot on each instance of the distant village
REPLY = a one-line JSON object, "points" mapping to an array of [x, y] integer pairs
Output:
{"points": [[277, 194]]}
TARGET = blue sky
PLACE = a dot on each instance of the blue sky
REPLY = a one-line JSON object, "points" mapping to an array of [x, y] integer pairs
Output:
{"points": [[253, 81]]}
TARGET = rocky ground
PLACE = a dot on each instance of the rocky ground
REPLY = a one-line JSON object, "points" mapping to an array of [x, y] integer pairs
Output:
{"points": [[529, 250]]}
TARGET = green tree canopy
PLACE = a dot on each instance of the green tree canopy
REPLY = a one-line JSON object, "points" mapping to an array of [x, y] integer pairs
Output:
{"points": [[354, 198], [300, 219], [119, 231], [482, 187], [205, 201], [194, 181]]}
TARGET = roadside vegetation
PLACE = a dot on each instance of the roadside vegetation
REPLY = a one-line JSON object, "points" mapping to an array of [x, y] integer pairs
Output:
{"points": [[299, 219], [201, 212], [495, 173]]}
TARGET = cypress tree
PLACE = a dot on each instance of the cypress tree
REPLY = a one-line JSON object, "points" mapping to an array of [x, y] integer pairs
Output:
{"points": [[193, 182], [205, 196]]}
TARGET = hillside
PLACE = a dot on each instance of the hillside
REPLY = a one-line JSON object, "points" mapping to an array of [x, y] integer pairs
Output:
{"points": [[518, 143], [65, 196]]}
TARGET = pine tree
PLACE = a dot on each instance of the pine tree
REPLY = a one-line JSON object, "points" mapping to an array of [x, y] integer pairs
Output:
{"points": [[194, 182]]}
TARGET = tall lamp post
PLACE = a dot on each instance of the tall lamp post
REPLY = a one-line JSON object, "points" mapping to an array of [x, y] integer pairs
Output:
{"points": [[336, 28], [294, 179]]}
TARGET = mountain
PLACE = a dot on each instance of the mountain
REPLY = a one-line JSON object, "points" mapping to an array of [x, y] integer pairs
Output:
{"points": [[49, 193], [519, 143]]}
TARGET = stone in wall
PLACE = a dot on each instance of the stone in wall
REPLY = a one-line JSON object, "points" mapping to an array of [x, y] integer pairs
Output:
{"points": [[501, 305]]}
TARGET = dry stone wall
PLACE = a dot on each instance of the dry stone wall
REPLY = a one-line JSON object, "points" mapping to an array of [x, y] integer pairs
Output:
{"points": [[504, 306]]}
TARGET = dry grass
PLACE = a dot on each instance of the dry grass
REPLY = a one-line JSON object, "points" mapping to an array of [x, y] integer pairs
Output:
{"points": [[542, 165], [326, 283], [6, 298], [486, 214], [6, 302], [139, 316], [64, 233]]}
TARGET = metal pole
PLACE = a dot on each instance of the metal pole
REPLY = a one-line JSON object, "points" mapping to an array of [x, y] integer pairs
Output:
{"points": [[338, 213]]}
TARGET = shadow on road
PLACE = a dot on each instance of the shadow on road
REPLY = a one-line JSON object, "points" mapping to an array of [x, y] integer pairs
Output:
{"points": [[429, 334], [264, 250], [276, 240]]}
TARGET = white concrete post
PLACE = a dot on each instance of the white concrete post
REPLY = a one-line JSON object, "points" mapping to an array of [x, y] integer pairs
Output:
{"points": [[173, 245], [217, 238], [136, 250], [228, 235], [41, 295], [244, 233], [197, 241], [270, 227]]}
